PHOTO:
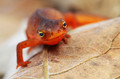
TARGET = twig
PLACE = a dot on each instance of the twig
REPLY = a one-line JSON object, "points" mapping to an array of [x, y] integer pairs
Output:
{"points": [[45, 66]]}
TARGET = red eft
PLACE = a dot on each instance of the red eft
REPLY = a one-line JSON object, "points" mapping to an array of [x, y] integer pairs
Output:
{"points": [[48, 27]]}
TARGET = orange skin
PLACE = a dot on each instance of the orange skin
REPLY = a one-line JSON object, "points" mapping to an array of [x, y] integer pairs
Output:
{"points": [[50, 22], [79, 19]]}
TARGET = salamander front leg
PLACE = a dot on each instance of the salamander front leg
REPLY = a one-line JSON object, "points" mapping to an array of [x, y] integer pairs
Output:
{"points": [[20, 46], [65, 38], [20, 61]]}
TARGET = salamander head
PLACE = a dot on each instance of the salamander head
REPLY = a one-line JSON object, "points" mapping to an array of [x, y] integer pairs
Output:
{"points": [[51, 31]]}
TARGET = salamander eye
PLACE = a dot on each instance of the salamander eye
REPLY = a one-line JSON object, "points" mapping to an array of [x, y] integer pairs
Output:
{"points": [[41, 34], [64, 25]]}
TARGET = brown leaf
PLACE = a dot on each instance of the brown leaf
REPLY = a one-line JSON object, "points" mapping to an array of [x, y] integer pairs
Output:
{"points": [[92, 52]]}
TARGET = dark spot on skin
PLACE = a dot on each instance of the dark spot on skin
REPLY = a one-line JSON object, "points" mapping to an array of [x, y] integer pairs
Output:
{"points": [[52, 21], [58, 30], [34, 24], [25, 44], [57, 23], [46, 25], [52, 33]]}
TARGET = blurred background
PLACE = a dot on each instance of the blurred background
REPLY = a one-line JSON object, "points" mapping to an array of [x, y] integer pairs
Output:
{"points": [[14, 12]]}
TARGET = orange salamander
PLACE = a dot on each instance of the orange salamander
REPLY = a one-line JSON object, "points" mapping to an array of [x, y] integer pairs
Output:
{"points": [[49, 27]]}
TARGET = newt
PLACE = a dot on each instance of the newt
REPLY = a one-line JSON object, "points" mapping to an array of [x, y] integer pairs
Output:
{"points": [[48, 27]]}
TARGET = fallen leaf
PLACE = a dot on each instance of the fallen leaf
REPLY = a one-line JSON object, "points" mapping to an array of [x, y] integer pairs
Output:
{"points": [[92, 52]]}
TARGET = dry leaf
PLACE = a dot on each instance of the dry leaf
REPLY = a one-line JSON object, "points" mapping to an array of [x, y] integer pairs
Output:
{"points": [[92, 52]]}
